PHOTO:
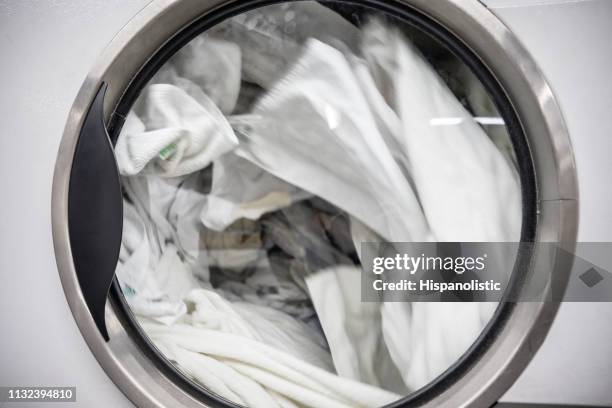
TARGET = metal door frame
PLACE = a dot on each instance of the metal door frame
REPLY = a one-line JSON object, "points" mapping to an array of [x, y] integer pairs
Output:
{"points": [[524, 329]]}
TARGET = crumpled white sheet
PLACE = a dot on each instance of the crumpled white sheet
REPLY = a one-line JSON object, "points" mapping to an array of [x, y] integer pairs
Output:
{"points": [[467, 188], [161, 288], [152, 276], [174, 300], [170, 209], [356, 170], [169, 133]]}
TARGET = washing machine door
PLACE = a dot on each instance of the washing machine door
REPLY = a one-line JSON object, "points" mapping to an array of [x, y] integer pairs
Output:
{"points": [[291, 61]]}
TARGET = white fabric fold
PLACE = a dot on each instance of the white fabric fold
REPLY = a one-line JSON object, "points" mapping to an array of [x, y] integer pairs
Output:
{"points": [[332, 146], [169, 133], [272, 327], [467, 189], [352, 327], [274, 370], [153, 277]]}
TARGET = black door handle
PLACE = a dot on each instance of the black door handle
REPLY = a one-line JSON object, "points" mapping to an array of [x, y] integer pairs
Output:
{"points": [[95, 211]]}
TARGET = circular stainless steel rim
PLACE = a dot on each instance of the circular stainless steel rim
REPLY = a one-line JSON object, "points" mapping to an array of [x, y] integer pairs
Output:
{"points": [[499, 51]]}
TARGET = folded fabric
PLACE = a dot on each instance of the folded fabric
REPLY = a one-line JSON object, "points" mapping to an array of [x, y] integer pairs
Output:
{"points": [[332, 146], [255, 372], [242, 190], [169, 133]]}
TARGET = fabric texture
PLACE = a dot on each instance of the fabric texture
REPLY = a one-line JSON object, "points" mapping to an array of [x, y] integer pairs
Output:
{"points": [[170, 134], [329, 109], [253, 364], [457, 161], [242, 190]]}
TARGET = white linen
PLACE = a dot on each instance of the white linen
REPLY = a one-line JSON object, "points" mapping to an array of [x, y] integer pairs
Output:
{"points": [[261, 368], [355, 170], [152, 276], [169, 133], [467, 189], [352, 327], [272, 327]]}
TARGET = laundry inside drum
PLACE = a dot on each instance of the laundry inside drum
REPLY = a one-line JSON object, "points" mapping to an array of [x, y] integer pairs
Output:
{"points": [[256, 161]]}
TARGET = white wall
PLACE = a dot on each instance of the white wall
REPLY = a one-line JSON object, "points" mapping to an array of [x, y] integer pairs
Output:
{"points": [[572, 41], [46, 50]]}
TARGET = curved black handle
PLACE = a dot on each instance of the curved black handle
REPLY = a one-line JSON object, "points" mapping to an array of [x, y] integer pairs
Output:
{"points": [[95, 211]]}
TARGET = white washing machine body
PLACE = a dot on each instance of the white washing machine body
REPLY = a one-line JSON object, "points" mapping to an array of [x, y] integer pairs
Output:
{"points": [[48, 51]]}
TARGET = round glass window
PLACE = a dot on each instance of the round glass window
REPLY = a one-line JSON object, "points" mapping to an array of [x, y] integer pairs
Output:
{"points": [[257, 161]]}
